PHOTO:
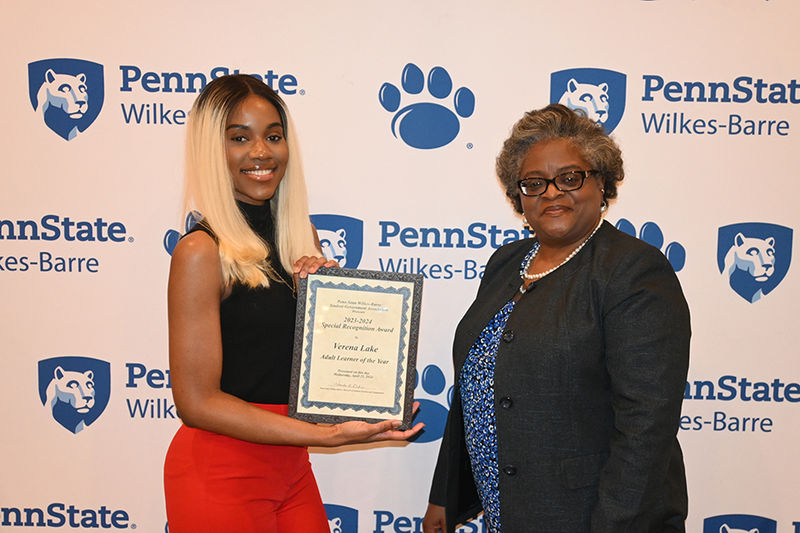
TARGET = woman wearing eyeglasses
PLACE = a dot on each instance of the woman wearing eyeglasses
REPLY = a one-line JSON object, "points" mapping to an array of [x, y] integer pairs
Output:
{"points": [[571, 363]]}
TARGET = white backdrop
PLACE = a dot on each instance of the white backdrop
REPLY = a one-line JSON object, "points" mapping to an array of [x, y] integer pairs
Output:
{"points": [[668, 61]]}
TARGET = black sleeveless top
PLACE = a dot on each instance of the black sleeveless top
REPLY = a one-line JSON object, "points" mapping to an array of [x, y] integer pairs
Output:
{"points": [[258, 325]]}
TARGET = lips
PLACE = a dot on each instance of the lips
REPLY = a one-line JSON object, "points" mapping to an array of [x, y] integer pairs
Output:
{"points": [[555, 210], [259, 174]]}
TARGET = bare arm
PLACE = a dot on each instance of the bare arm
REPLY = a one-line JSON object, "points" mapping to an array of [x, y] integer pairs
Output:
{"points": [[195, 353]]}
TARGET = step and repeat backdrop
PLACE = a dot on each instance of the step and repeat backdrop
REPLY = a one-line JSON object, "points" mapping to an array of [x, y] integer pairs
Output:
{"points": [[401, 109]]}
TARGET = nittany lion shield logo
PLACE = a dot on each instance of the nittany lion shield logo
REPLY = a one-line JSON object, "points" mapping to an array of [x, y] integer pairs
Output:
{"points": [[739, 523], [341, 519], [67, 93], [342, 238], [74, 389], [598, 92], [754, 257]]}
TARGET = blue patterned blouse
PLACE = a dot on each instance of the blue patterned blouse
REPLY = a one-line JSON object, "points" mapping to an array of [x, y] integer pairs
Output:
{"points": [[476, 382]]}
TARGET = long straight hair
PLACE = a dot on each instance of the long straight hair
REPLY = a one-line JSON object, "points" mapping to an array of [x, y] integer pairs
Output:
{"points": [[210, 190]]}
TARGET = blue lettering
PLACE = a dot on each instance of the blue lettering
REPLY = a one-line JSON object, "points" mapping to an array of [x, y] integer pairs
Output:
{"points": [[45, 263], [426, 232], [287, 84], [744, 93], [401, 524], [388, 229], [672, 91], [116, 231], [53, 227], [735, 388], [130, 74], [727, 384], [651, 84], [724, 422], [479, 235], [698, 394], [60, 515], [151, 82], [151, 408], [192, 82], [792, 392], [653, 122], [22, 225], [51, 231], [458, 233], [408, 237], [134, 112], [719, 421], [178, 82], [155, 379], [382, 518], [686, 423], [475, 230], [742, 90]]}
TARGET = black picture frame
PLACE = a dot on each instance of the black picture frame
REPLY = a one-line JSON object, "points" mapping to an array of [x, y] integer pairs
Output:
{"points": [[361, 365]]}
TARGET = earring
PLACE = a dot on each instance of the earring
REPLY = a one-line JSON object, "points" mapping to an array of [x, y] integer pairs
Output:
{"points": [[603, 206]]}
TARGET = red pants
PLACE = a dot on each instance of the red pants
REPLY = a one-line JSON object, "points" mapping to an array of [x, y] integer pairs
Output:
{"points": [[217, 484]]}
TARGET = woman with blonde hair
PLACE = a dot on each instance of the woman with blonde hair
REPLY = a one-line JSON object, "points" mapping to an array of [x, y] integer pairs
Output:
{"points": [[238, 462]]}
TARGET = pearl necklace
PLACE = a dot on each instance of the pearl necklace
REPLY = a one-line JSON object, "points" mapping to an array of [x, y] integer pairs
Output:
{"points": [[533, 277]]}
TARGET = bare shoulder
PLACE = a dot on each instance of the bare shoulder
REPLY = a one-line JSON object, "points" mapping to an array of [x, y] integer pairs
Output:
{"points": [[195, 261], [196, 248]]}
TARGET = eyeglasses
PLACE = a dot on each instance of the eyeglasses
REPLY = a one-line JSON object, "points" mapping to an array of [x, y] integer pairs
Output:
{"points": [[567, 181]]}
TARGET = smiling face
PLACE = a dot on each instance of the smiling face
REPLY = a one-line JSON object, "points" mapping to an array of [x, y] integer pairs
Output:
{"points": [[255, 149], [560, 218]]}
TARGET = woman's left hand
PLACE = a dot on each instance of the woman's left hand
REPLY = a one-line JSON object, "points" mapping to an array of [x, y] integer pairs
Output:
{"points": [[309, 264], [355, 432]]}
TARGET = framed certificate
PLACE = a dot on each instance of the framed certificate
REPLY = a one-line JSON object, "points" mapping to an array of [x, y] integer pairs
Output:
{"points": [[355, 346]]}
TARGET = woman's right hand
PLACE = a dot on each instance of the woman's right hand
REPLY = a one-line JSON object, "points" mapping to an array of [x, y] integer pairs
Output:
{"points": [[434, 521]]}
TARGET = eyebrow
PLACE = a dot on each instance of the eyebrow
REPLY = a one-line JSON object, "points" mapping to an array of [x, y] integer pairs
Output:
{"points": [[246, 127], [561, 170]]}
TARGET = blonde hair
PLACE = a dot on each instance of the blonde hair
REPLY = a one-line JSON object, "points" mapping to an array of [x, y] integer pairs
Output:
{"points": [[210, 190]]}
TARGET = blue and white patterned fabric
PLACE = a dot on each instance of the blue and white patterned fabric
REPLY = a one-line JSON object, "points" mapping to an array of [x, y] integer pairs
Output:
{"points": [[476, 382]]}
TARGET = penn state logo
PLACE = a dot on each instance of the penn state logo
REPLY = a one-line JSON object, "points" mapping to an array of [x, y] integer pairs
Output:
{"points": [[433, 118], [341, 519], [341, 238], [754, 257], [74, 389], [739, 523], [67, 93], [598, 93]]}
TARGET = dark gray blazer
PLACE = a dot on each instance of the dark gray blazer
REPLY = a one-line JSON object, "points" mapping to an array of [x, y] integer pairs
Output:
{"points": [[589, 379]]}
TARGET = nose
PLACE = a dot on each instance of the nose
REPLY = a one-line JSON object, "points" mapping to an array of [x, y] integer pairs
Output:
{"points": [[551, 191], [260, 149]]}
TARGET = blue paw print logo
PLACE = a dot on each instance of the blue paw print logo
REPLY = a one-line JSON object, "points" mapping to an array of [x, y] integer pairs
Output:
{"points": [[171, 237], [432, 412], [426, 124], [652, 235]]}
